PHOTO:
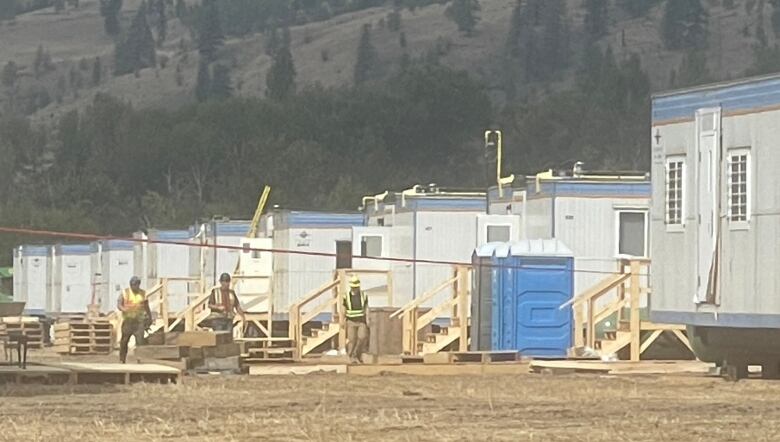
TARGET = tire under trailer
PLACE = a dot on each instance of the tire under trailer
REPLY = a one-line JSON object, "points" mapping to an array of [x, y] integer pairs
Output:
{"points": [[733, 349]]}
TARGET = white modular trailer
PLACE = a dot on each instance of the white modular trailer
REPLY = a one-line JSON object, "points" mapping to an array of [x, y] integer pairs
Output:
{"points": [[601, 217], [169, 258], [72, 278], [112, 267], [716, 217], [222, 260], [31, 267], [432, 229], [315, 245], [255, 274]]}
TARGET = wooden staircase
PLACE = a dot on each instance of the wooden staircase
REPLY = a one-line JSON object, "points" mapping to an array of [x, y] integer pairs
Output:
{"points": [[319, 336], [626, 292], [437, 338], [306, 335], [440, 338]]}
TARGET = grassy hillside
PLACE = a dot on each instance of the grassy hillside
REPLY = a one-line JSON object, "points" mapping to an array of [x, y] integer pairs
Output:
{"points": [[324, 52]]}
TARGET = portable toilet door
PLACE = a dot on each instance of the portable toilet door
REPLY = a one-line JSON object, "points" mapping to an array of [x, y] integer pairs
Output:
{"points": [[484, 283], [74, 277], [536, 279]]}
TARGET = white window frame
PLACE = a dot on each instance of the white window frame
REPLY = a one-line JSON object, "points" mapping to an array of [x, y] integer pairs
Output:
{"points": [[739, 151], [675, 227], [381, 245], [643, 212], [489, 225]]}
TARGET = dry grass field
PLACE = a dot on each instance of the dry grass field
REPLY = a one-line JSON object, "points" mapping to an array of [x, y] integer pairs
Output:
{"points": [[399, 408]]}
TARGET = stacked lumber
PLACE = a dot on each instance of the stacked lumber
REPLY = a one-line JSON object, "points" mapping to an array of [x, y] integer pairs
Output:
{"points": [[29, 326], [195, 350], [83, 336]]}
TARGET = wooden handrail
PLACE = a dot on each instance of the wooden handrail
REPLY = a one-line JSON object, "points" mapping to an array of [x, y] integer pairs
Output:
{"points": [[424, 298], [431, 315], [603, 287], [317, 293]]}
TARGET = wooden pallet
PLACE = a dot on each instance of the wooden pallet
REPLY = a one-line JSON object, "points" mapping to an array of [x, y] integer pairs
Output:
{"points": [[84, 373], [484, 357], [83, 337], [28, 326]]}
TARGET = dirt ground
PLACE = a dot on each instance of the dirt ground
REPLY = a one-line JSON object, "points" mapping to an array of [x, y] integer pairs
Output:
{"points": [[399, 408]]}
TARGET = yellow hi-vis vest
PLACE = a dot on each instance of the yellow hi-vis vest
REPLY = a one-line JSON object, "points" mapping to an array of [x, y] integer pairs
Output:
{"points": [[134, 303], [352, 312]]}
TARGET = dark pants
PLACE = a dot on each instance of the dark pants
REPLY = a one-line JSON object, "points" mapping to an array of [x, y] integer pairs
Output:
{"points": [[131, 327], [222, 324], [357, 335]]}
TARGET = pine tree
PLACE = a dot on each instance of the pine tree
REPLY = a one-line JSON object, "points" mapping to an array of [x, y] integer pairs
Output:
{"points": [[181, 9], [280, 80], [637, 8], [402, 40], [97, 72], [596, 18], [272, 41], [693, 70], [684, 25], [59, 5], [210, 36], [42, 62], [554, 51], [109, 9], [137, 50], [203, 84], [464, 14], [7, 9], [775, 17], [161, 21], [394, 20], [221, 86], [9, 75], [366, 64]]}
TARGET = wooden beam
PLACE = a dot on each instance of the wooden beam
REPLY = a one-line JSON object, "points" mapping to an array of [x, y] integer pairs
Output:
{"points": [[636, 327], [683, 339], [649, 341], [464, 307], [425, 297]]}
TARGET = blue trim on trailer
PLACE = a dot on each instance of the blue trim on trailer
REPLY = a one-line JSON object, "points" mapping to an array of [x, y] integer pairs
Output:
{"points": [[318, 219], [746, 96], [73, 249], [446, 204], [170, 235], [232, 229], [706, 319], [118, 244], [593, 190], [35, 250]]}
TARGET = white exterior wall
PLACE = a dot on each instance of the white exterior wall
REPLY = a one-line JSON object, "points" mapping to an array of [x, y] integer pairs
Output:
{"points": [[170, 261], [35, 281], [116, 271], [747, 285], [589, 227], [296, 276], [72, 291], [259, 266], [18, 274], [442, 236]]}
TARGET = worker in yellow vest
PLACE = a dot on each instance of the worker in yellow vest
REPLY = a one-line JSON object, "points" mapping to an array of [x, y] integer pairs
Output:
{"points": [[136, 316], [356, 313]]}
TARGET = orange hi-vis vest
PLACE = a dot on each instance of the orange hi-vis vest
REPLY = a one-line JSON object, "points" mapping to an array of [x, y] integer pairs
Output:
{"points": [[133, 302]]}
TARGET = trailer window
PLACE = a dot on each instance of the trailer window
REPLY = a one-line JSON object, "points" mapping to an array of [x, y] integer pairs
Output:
{"points": [[675, 169], [498, 233], [632, 233], [371, 246], [738, 189]]}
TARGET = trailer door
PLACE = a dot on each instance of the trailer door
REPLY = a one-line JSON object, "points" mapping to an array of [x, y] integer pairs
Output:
{"points": [[707, 186]]}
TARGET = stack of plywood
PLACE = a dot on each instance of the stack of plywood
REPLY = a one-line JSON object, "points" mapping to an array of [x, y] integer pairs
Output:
{"points": [[191, 350], [29, 326], [82, 336]]}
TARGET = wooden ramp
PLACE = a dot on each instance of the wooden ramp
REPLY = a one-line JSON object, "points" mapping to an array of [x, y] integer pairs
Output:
{"points": [[88, 373]]}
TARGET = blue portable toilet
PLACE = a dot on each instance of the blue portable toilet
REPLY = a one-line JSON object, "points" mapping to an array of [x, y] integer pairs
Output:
{"points": [[517, 291]]}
